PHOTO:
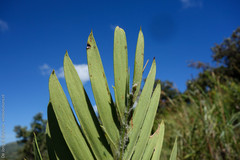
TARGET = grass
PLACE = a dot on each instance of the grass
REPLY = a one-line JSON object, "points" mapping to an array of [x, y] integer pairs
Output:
{"points": [[207, 124]]}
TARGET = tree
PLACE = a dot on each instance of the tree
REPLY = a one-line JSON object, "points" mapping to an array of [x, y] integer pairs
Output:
{"points": [[227, 57], [168, 93], [25, 136], [227, 54]]}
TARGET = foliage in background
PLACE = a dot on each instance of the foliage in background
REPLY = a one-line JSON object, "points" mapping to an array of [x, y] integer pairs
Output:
{"points": [[227, 58], [206, 117], [168, 93], [227, 54], [25, 137], [206, 124]]}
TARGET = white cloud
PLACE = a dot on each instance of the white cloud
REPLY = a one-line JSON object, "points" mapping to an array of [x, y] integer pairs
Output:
{"points": [[45, 69], [3, 26], [82, 70], [191, 3], [60, 72]]}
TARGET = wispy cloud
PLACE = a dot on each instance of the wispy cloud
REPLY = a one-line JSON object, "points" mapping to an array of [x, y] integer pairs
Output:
{"points": [[82, 70], [191, 3], [45, 69], [60, 72], [3, 26]]}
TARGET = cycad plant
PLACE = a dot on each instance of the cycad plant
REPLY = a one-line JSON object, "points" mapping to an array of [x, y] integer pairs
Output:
{"points": [[123, 131]]}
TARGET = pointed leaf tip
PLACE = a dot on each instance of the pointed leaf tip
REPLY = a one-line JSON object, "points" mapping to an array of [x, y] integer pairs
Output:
{"points": [[66, 54], [173, 155], [90, 37]]}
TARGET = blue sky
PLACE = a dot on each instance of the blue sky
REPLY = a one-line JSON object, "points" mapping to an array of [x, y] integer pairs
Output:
{"points": [[34, 36]]}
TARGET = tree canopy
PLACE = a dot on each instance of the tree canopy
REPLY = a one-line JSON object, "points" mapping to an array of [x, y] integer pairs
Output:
{"points": [[227, 58], [25, 136]]}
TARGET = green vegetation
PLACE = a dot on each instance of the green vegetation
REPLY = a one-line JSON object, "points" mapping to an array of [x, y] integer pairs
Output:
{"points": [[207, 124], [26, 137], [206, 117], [123, 132]]}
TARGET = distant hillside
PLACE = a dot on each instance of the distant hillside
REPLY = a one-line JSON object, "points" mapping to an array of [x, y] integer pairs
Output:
{"points": [[12, 150]]}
